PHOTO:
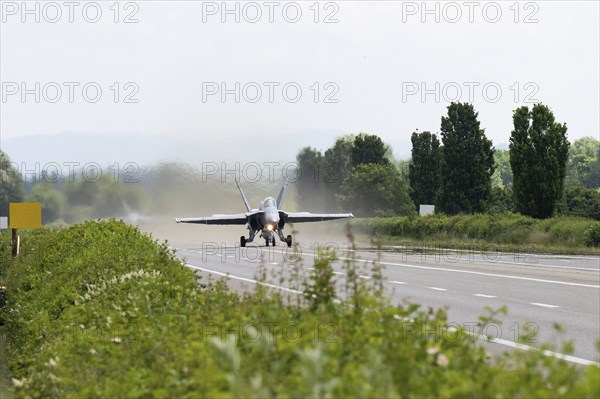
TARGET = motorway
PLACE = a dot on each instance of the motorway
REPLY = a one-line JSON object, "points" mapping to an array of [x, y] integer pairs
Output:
{"points": [[538, 290]]}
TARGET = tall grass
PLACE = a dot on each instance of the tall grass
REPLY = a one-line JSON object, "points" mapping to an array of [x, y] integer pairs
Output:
{"points": [[560, 234]]}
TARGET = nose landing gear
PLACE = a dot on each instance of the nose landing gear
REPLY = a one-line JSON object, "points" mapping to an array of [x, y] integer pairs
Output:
{"points": [[269, 240]]}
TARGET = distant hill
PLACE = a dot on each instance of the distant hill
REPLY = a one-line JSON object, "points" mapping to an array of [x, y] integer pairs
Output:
{"points": [[144, 149]]}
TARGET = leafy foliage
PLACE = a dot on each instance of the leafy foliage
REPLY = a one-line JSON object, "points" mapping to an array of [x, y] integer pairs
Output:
{"points": [[592, 235], [324, 176], [337, 166], [538, 155], [11, 187], [580, 201], [369, 148], [310, 184], [501, 200], [424, 170], [468, 162], [502, 176], [373, 189], [583, 164]]}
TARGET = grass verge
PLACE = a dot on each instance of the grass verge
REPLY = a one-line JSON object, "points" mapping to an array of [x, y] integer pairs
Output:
{"points": [[508, 232]]}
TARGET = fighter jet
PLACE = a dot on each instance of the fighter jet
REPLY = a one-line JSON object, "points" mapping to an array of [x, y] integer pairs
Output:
{"points": [[268, 219]]}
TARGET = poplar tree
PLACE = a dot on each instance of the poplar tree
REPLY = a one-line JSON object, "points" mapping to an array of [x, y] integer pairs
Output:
{"points": [[538, 155], [424, 169], [467, 162]]}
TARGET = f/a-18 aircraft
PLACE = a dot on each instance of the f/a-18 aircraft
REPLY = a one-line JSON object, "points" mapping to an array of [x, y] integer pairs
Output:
{"points": [[267, 220]]}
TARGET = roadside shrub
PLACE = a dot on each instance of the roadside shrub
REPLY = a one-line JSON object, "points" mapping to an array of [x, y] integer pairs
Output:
{"points": [[592, 235]]}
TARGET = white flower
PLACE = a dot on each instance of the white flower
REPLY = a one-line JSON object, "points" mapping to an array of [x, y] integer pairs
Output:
{"points": [[93, 351], [442, 360], [433, 350], [116, 340], [18, 383], [52, 362]]}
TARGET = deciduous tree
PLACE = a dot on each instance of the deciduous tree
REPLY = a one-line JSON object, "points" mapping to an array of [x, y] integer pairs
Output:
{"points": [[376, 190]]}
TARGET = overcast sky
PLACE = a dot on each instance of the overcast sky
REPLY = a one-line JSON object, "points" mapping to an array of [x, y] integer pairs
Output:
{"points": [[366, 69]]}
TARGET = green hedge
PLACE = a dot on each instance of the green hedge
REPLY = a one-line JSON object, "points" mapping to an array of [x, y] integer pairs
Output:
{"points": [[102, 310]]}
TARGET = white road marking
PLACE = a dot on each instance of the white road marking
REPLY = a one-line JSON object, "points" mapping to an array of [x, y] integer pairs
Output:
{"points": [[442, 269], [249, 280], [366, 277], [437, 288], [397, 282], [273, 263], [568, 358], [545, 305], [516, 345], [485, 296]]}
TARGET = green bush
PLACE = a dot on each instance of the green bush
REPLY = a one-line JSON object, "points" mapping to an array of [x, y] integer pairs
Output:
{"points": [[581, 201], [592, 235]]}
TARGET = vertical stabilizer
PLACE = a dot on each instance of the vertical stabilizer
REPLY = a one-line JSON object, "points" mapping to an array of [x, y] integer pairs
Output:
{"points": [[243, 196], [281, 193]]}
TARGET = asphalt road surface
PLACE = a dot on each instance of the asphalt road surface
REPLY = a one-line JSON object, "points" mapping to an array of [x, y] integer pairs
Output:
{"points": [[538, 290]]}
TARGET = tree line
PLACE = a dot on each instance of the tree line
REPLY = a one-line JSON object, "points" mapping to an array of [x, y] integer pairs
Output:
{"points": [[458, 170], [460, 174]]}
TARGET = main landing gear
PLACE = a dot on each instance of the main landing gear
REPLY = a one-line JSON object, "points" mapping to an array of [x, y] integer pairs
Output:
{"points": [[287, 240]]}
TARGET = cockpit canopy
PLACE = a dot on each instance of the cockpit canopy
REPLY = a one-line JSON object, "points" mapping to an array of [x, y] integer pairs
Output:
{"points": [[269, 202]]}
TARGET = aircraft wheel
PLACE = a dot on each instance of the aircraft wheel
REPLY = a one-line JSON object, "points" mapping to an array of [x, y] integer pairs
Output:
{"points": [[267, 242], [288, 240], [242, 241], [273, 241]]}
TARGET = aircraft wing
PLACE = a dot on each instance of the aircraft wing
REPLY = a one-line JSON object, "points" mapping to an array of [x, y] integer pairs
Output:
{"points": [[301, 217], [236, 218]]}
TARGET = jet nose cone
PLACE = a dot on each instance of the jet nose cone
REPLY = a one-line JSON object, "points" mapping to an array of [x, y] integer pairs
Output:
{"points": [[272, 218]]}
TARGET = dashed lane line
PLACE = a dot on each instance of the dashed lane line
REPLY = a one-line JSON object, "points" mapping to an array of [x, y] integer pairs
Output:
{"points": [[544, 305], [569, 358], [443, 269]]}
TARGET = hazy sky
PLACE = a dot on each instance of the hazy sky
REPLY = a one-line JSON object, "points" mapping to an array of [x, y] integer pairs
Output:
{"points": [[364, 70]]}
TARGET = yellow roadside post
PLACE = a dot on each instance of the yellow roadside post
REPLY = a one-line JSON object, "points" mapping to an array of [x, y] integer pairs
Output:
{"points": [[23, 215]]}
